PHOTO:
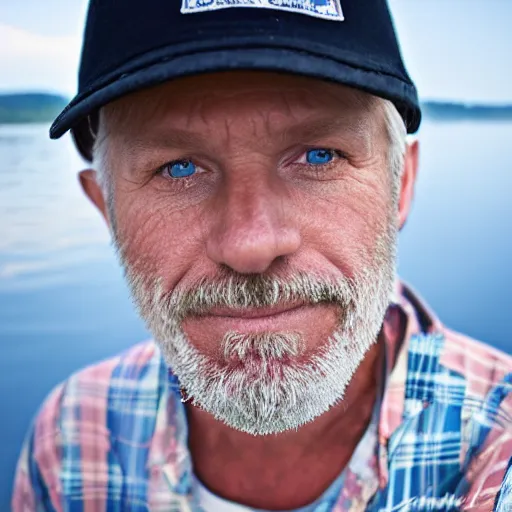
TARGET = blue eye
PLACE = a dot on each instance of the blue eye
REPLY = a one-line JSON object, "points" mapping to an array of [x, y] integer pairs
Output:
{"points": [[319, 156], [181, 169]]}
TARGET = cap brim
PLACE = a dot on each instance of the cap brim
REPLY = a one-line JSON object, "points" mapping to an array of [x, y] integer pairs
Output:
{"points": [[285, 60]]}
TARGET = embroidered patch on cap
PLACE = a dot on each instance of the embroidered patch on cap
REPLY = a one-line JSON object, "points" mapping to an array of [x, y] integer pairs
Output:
{"points": [[326, 9]]}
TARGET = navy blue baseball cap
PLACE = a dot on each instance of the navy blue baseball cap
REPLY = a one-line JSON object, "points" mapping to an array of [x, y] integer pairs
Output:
{"points": [[133, 44]]}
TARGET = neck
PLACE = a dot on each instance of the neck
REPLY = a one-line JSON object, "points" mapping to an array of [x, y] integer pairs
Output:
{"points": [[291, 469]]}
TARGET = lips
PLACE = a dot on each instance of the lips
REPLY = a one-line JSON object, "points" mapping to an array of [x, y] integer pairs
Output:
{"points": [[254, 313], [278, 318], [314, 322]]}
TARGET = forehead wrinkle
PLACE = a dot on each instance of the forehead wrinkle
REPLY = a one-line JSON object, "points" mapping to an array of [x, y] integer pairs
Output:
{"points": [[289, 116], [290, 124], [201, 93]]}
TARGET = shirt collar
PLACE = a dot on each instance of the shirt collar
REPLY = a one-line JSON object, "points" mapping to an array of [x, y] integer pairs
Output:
{"points": [[407, 316]]}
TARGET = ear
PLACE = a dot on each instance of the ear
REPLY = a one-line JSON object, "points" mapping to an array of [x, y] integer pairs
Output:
{"points": [[89, 182], [408, 180]]}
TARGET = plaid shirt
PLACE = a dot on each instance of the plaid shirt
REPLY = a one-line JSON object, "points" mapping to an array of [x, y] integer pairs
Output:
{"points": [[114, 436]]}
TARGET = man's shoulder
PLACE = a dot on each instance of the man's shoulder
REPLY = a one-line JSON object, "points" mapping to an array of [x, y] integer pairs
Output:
{"points": [[482, 391], [124, 382], [101, 407], [449, 411]]}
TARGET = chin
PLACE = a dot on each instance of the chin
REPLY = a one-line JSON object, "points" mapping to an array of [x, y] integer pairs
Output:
{"points": [[266, 384]]}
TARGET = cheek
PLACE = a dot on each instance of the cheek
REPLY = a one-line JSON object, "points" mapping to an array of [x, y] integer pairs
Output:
{"points": [[346, 224], [155, 240]]}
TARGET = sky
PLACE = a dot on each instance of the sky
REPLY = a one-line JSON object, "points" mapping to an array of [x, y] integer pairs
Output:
{"points": [[454, 49]]}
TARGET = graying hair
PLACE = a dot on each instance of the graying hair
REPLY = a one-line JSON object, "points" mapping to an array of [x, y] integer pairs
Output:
{"points": [[100, 158], [397, 136], [396, 132]]}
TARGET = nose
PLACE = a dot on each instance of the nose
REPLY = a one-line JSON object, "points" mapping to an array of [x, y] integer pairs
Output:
{"points": [[253, 226]]}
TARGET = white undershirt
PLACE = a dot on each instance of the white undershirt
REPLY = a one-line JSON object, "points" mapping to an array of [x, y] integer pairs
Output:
{"points": [[209, 502]]}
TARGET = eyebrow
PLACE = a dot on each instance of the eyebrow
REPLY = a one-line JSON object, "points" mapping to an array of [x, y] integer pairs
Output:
{"points": [[174, 138], [327, 127]]}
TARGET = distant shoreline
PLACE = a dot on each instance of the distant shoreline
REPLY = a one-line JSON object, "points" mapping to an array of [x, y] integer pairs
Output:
{"points": [[28, 108], [31, 108], [451, 111]]}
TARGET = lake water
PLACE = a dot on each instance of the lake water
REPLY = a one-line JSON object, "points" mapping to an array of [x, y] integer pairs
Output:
{"points": [[63, 303]]}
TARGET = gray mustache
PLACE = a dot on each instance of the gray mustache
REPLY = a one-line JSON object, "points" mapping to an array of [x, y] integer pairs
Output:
{"points": [[257, 291]]}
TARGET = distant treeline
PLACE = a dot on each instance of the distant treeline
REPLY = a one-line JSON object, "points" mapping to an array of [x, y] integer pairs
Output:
{"points": [[449, 111], [43, 108], [30, 107]]}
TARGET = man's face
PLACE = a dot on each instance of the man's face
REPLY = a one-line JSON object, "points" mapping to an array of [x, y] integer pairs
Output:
{"points": [[255, 219]]}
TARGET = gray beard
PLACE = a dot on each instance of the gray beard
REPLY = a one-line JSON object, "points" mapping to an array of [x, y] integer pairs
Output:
{"points": [[266, 383]]}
